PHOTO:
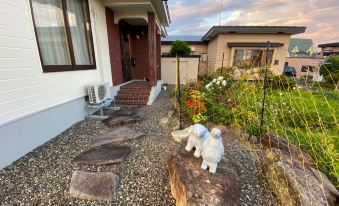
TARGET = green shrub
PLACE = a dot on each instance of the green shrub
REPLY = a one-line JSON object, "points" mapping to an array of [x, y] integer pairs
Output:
{"points": [[180, 48], [282, 82]]}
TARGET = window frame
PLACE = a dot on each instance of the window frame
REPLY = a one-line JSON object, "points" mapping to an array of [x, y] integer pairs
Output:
{"points": [[73, 66], [252, 48]]}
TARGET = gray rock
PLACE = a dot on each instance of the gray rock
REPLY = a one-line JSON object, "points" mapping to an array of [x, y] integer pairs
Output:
{"points": [[121, 134], [191, 185], [170, 113], [163, 121], [93, 185], [272, 140], [119, 120], [295, 183], [253, 139], [104, 154]]}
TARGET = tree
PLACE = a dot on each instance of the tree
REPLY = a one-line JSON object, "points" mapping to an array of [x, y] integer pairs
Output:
{"points": [[180, 48], [330, 70]]}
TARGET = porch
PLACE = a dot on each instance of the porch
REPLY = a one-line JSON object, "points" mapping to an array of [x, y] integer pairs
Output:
{"points": [[134, 32]]}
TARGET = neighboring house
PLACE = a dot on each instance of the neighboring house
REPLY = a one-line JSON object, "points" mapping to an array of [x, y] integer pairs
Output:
{"points": [[303, 56], [198, 47], [233, 45], [301, 48], [329, 49], [51, 50], [305, 66]]}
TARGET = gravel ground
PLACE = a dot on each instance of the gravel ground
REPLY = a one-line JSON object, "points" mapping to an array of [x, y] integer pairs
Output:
{"points": [[42, 177]]}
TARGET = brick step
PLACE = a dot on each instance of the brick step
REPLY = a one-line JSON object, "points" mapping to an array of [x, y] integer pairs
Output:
{"points": [[133, 95], [131, 102], [135, 89], [133, 98]]}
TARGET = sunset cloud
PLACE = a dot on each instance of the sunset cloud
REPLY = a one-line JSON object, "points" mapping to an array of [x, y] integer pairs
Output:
{"points": [[196, 17]]}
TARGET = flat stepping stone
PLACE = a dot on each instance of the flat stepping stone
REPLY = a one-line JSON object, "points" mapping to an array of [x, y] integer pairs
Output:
{"points": [[119, 120], [125, 111], [104, 154], [121, 134], [93, 185]]}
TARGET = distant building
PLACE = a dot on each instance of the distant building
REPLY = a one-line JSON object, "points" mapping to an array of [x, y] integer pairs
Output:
{"points": [[227, 46], [329, 49], [302, 55], [301, 48], [198, 47]]}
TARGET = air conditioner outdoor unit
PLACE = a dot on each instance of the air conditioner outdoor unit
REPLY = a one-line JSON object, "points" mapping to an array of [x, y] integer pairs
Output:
{"points": [[98, 92]]}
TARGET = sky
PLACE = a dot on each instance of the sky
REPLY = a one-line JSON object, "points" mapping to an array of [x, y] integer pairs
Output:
{"points": [[195, 17]]}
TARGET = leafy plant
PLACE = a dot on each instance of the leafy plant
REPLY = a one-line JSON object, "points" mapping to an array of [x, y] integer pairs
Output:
{"points": [[330, 69], [180, 48]]}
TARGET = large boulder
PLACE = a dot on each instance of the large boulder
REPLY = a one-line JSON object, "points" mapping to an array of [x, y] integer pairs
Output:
{"points": [[93, 185], [295, 183], [191, 185], [272, 140]]}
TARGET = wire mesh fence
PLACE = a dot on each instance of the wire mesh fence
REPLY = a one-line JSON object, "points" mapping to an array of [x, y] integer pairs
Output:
{"points": [[296, 122]]}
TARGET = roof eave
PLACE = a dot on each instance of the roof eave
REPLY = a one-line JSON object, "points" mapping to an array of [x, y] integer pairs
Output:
{"points": [[216, 30]]}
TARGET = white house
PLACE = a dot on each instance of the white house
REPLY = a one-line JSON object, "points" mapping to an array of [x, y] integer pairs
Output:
{"points": [[50, 50]]}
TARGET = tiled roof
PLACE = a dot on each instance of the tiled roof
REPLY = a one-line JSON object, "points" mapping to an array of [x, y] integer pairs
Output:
{"points": [[186, 38]]}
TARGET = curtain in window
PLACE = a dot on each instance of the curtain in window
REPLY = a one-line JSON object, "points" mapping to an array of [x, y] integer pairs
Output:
{"points": [[79, 25], [51, 33]]}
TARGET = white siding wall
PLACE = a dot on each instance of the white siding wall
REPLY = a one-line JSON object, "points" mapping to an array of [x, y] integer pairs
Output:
{"points": [[24, 88]]}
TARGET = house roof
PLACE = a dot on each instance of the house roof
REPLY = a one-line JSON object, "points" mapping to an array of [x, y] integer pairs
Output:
{"points": [[333, 44], [300, 47], [216, 30], [192, 39]]}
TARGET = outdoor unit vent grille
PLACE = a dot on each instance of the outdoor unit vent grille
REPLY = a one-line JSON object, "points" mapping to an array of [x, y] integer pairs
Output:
{"points": [[98, 93]]}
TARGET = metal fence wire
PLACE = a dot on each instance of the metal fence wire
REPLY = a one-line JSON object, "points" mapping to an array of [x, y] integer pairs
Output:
{"points": [[293, 129]]}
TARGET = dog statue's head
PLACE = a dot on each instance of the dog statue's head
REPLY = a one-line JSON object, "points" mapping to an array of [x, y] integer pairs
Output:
{"points": [[216, 133], [199, 130]]}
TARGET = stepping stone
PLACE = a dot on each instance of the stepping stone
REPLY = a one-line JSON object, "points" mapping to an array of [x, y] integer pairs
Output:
{"points": [[119, 120], [104, 154], [121, 134], [125, 111], [93, 185]]}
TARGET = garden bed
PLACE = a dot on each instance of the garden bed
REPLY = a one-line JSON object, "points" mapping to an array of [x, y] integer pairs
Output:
{"points": [[42, 177]]}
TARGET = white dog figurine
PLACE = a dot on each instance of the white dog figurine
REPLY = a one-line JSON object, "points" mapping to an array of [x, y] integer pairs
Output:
{"points": [[196, 139], [213, 150]]}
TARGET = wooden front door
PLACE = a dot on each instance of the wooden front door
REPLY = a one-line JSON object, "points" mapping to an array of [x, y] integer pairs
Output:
{"points": [[126, 55]]}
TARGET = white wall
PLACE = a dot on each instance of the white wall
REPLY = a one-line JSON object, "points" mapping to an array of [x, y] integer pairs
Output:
{"points": [[188, 69], [24, 88]]}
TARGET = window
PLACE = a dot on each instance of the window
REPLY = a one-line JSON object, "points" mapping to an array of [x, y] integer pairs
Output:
{"points": [[307, 68], [63, 33], [203, 57], [251, 57]]}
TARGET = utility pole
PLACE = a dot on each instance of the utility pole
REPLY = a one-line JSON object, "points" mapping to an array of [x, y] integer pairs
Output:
{"points": [[220, 12]]}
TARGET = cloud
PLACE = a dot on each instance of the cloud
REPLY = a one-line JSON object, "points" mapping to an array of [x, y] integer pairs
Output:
{"points": [[320, 17]]}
